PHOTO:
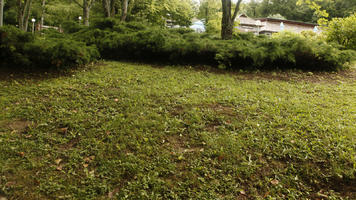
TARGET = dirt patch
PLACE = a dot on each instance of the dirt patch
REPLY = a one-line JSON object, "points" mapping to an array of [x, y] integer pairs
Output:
{"points": [[177, 110], [180, 145], [71, 144], [221, 109], [17, 126], [313, 77], [290, 75], [346, 188]]}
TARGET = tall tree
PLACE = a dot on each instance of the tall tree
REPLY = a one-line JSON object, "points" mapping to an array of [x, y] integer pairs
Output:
{"points": [[2, 12], [86, 6], [124, 7], [23, 13], [209, 9], [180, 12], [228, 20], [43, 13], [109, 7]]}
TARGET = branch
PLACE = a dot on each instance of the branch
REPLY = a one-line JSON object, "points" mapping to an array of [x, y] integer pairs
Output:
{"points": [[80, 5], [236, 10]]}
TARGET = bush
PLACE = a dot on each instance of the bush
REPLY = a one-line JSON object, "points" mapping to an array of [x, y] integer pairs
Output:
{"points": [[105, 23], [21, 50], [12, 42], [135, 41], [343, 31], [72, 27], [245, 51]]}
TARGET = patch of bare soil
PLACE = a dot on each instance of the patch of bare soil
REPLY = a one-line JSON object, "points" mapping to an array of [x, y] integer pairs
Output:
{"points": [[313, 77], [291, 75], [179, 145], [17, 126], [221, 109]]}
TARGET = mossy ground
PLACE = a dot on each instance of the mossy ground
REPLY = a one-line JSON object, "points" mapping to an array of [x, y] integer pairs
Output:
{"points": [[132, 131]]}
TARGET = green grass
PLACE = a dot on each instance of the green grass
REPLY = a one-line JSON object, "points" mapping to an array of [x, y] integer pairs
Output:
{"points": [[131, 131]]}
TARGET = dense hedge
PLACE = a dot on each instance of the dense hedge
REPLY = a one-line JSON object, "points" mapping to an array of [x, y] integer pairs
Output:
{"points": [[182, 46], [19, 49], [138, 42]]}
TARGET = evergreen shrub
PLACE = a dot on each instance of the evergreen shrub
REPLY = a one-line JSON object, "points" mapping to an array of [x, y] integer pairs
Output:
{"points": [[182, 46], [22, 50]]}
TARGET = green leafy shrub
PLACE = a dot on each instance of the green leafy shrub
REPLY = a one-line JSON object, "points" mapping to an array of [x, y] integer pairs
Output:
{"points": [[105, 23], [343, 31], [283, 51], [60, 53], [181, 30], [72, 27], [181, 46], [12, 42], [21, 50]]}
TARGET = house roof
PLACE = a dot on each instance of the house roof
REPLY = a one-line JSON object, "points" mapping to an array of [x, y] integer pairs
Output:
{"points": [[287, 21], [245, 20]]}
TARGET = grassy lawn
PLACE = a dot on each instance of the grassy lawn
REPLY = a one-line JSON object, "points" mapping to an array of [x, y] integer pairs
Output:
{"points": [[132, 131]]}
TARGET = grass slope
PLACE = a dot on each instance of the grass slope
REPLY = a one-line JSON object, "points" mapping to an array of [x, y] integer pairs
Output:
{"points": [[130, 131]]}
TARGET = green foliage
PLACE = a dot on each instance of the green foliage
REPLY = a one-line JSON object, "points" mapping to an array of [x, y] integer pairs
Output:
{"points": [[104, 23], [307, 10], [21, 50], [71, 27], [245, 51], [156, 12], [343, 31]]}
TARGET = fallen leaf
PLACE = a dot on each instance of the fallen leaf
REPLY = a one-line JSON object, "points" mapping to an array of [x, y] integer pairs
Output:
{"points": [[266, 195], [274, 182], [58, 161], [85, 165], [59, 168], [63, 130]]}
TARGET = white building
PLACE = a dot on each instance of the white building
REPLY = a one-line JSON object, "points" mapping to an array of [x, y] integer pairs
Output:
{"points": [[268, 26]]}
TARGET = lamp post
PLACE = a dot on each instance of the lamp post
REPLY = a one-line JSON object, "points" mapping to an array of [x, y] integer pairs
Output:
{"points": [[258, 24], [80, 19], [33, 25]]}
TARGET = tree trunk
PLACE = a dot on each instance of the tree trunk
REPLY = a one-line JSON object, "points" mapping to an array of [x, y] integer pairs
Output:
{"points": [[207, 14], [86, 12], [23, 13], [2, 12], [27, 14], [125, 4], [42, 14], [20, 14], [113, 8], [227, 21], [107, 7]]}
